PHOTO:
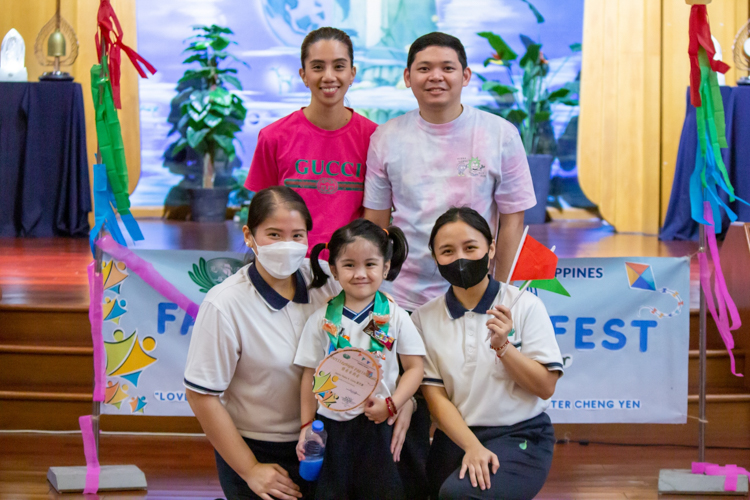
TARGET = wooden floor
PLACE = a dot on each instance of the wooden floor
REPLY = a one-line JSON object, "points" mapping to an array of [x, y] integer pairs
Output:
{"points": [[183, 467]]}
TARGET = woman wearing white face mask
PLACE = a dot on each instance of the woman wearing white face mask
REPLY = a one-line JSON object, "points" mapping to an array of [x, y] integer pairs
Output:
{"points": [[242, 383]]}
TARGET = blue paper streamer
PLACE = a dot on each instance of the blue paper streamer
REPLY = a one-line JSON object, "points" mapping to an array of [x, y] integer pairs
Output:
{"points": [[104, 215]]}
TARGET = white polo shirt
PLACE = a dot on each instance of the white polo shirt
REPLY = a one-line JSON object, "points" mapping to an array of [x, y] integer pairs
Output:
{"points": [[461, 360], [242, 349], [315, 345]]}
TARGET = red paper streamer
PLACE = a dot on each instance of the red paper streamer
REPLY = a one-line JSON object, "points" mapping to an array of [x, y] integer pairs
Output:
{"points": [[110, 31], [700, 36]]}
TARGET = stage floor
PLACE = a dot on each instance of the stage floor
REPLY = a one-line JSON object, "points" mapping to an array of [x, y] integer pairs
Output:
{"points": [[51, 272], [183, 467]]}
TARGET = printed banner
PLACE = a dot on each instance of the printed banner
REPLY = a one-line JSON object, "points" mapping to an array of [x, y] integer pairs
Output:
{"points": [[623, 334], [146, 337]]}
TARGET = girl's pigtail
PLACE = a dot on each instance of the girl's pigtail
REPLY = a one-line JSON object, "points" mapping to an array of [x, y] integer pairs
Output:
{"points": [[400, 251], [320, 278]]}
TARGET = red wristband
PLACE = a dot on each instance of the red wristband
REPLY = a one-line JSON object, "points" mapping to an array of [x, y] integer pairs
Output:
{"points": [[392, 410], [501, 350], [305, 425]]}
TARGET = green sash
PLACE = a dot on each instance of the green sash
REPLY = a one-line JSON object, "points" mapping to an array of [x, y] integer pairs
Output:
{"points": [[377, 328]]}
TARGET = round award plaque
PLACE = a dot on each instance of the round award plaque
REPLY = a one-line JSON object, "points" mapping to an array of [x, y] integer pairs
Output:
{"points": [[346, 378]]}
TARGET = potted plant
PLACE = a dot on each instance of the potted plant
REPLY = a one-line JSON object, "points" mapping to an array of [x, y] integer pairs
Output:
{"points": [[527, 104], [210, 116]]}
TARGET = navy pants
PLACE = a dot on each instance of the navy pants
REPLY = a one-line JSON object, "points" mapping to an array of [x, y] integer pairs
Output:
{"points": [[358, 463], [524, 451], [265, 452]]}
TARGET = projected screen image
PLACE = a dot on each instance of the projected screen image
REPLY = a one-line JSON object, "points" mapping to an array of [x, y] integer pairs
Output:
{"points": [[269, 34]]}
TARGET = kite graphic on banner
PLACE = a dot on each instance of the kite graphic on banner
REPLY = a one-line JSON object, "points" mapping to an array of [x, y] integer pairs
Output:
{"points": [[641, 276]]}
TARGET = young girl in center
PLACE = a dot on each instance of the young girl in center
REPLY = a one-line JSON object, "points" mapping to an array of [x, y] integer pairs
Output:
{"points": [[359, 457]]}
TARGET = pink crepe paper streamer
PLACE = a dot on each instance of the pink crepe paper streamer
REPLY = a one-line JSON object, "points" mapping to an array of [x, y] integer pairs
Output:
{"points": [[89, 450], [731, 471], [148, 274], [96, 318], [726, 307]]}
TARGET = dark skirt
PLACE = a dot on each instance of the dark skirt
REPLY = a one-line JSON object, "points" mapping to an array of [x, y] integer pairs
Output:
{"points": [[524, 451], [358, 463]]}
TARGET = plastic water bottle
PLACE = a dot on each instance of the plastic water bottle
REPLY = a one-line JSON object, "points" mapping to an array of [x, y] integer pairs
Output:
{"points": [[315, 445]]}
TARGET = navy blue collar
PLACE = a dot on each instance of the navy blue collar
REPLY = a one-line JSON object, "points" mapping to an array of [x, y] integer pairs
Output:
{"points": [[271, 297], [359, 317], [457, 310]]}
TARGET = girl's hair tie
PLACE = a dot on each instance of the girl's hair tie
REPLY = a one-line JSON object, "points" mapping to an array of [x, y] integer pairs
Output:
{"points": [[386, 232], [326, 247]]}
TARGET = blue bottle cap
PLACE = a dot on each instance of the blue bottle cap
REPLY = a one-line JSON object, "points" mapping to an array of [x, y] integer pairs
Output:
{"points": [[317, 426]]}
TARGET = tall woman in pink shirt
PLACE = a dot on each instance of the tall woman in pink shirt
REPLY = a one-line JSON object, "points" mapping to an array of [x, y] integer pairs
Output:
{"points": [[320, 151]]}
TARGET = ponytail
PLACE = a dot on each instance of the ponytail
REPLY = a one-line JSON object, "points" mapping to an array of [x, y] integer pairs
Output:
{"points": [[399, 251], [320, 277]]}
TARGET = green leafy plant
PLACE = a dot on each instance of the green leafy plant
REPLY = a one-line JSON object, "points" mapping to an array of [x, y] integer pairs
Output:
{"points": [[210, 115], [526, 104]]}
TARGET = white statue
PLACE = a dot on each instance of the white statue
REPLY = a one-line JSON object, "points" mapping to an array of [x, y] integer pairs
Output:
{"points": [[12, 56]]}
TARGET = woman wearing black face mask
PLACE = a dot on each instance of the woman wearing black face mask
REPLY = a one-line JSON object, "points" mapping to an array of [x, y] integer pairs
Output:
{"points": [[489, 372]]}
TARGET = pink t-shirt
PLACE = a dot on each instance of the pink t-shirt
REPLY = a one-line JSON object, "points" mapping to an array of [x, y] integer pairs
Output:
{"points": [[326, 167]]}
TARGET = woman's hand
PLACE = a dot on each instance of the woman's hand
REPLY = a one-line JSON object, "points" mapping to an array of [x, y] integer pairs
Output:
{"points": [[270, 481], [500, 325], [476, 460], [403, 421], [376, 409]]}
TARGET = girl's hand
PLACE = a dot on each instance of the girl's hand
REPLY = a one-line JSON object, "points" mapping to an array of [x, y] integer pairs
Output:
{"points": [[376, 409], [403, 420], [477, 460], [500, 325], [301, 444], [270, 481]]}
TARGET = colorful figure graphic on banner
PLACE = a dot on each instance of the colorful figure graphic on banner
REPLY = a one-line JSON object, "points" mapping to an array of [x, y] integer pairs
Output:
{"points": [[113, 309], [641, 276], [127, 358], [113, 274], [115, 394], [138, 404], [207, 274]]}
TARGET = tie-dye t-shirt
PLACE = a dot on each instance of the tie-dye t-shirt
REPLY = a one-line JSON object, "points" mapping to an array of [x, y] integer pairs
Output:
{"points": [[422, 169]]}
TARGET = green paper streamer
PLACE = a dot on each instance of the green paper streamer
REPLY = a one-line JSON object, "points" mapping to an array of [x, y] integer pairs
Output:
{"points": [[710, 118], [109, 135]]}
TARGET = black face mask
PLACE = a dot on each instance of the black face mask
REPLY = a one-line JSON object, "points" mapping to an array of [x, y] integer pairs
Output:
{"points": [[465, 273]]}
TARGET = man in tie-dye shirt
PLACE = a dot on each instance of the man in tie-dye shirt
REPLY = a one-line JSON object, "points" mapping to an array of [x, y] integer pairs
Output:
{"points": [[441, 155]]}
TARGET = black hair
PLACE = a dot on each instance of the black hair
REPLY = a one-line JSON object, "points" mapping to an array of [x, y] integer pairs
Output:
{"points": [[438, 39], [326, 33], [265, 202], [391, 243], [464, 214]]}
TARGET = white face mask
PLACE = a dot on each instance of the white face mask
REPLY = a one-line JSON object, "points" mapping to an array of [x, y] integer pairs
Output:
{"points": [[281, 259]]}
